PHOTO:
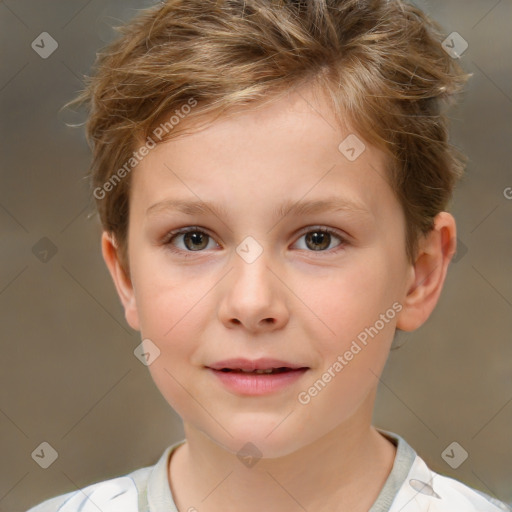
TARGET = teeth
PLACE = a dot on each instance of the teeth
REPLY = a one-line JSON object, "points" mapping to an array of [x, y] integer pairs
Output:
{"points": [[259, 372], [270, 370]]}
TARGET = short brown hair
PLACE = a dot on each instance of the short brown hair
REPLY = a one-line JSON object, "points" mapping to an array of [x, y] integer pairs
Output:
{"points": [[380, 62]]}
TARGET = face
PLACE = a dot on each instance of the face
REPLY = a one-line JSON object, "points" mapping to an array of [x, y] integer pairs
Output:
{"points": [[258, 280]]}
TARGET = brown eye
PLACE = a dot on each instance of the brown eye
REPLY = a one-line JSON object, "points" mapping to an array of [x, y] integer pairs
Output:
{"points": [[320, 239], [195, 240]]}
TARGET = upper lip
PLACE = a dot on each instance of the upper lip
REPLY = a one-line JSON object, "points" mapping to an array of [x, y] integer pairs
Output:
{"points": [[263, 363]]}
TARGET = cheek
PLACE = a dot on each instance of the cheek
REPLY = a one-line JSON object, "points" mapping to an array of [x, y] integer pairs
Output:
{"points": [[171, 316], [352, 328], [172, 319], [348, 300], [165, 295], [352, 342]]}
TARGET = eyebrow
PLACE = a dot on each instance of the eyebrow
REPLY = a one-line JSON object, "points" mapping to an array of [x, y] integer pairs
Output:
{"points": [[198, 207]]}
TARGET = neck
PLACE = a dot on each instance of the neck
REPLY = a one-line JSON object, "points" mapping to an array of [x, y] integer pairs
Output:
{"points": [[343, 470]]}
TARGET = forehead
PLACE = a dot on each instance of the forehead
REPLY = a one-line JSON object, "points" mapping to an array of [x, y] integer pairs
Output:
{"points": [[283, 152]]}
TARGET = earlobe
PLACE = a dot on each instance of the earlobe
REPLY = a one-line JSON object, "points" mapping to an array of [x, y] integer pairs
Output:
{"points": [[435, 252], [122, 282]]}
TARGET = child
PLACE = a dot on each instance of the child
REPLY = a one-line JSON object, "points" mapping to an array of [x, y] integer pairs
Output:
{"points": [[302, 147]]}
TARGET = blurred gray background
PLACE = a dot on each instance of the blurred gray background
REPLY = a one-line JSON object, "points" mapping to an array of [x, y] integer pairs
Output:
{"points": [[68, 373]]}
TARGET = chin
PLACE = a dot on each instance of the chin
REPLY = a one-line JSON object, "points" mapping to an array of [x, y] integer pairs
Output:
{"points": [[260, 438]]}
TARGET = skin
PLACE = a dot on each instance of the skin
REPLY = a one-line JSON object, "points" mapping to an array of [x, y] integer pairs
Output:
{"points": [[293, 303]]}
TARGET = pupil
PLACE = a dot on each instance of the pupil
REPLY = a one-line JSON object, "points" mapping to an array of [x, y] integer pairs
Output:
{"points": [[195, 237], [317, 237]]}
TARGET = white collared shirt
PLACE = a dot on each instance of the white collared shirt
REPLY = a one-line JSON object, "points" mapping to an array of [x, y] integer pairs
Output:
{"points": [[410, 487]]}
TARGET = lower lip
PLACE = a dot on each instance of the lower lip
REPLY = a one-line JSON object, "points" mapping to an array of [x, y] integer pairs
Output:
{"points": [[258, 384]]}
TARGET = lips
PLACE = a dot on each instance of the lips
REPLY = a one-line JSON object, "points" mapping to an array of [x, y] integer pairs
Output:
{"points": [[258, 377], [258, 366]]}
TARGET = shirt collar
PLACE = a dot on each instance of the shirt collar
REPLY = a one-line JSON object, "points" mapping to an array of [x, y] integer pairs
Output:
{"points": [[160, 497]]}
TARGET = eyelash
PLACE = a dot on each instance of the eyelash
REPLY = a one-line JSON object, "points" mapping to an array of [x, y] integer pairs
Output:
{"points": [[193, 229]]}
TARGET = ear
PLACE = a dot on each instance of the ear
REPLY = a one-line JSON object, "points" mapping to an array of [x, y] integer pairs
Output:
{"points": [[122, 282], [435, 251]]}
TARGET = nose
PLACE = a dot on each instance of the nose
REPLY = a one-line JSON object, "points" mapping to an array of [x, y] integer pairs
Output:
{"points": [[254, 296]]}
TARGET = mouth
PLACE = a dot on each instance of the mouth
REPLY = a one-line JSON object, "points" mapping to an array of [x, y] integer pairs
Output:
{"points": [[257, 377], [261, 366], [267, 371]]}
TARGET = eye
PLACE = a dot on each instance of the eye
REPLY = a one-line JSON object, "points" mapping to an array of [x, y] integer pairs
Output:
{"points": [[319, 239], [194, 239]]}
